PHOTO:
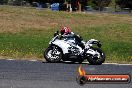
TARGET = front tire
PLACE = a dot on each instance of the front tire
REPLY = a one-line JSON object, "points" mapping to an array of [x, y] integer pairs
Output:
{"points": [[53, 54], [97, 60]]}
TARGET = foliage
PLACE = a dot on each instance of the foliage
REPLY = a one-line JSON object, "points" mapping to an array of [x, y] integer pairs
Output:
{"points": [[100, 4], [124, 3], [3, 1]]}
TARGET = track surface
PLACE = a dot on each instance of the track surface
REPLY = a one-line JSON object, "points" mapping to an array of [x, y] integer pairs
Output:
{"points": [[29, 74]]}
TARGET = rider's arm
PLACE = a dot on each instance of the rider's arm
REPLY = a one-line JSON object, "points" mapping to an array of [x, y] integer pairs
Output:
{"points": [[68, 36], [72, 35]]}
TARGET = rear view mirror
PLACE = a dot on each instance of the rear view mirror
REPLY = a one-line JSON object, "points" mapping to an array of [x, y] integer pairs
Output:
{"points": [[56, 33]]}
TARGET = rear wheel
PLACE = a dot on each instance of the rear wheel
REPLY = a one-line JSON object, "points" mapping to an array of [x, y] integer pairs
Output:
{"points": [[98, 58], [53, 54]]}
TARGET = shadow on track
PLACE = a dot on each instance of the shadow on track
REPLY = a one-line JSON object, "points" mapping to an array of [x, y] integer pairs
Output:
{"points": [[68, 62]]}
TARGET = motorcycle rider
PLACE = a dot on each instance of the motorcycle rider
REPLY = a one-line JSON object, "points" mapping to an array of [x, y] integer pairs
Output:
{"points": [[66, 33]]}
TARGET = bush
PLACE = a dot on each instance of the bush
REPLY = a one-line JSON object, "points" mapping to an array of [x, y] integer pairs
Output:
{"points": [[124, 3], [100, 4], [3, 2]]}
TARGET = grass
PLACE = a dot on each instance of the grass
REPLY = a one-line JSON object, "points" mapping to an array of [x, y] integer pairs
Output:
{"points": [[25, 32]]}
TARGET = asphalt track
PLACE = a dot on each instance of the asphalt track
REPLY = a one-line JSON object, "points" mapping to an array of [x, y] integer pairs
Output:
{"points": [[35, 74]]}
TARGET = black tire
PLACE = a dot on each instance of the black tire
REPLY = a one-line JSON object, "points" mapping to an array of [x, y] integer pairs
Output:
{"points": [[97, 61], [49, 59]]}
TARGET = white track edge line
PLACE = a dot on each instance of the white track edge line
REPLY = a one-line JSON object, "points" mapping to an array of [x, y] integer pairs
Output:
{"points": [[117, 64], [10, 59], [33, 60]]}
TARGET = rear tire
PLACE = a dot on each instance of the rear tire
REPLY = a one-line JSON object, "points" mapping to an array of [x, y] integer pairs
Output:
{"points": [[53, 54], [95, 60]]}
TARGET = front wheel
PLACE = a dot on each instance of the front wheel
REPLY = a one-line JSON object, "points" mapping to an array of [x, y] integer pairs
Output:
{"points": [[98, 58], [53, 54]]}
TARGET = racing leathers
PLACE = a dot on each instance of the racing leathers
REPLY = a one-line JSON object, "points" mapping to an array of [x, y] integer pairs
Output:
{"points": [[76, 38]]}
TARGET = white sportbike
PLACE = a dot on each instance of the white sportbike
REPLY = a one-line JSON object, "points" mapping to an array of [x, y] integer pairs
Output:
{"points": [[68, 50]]}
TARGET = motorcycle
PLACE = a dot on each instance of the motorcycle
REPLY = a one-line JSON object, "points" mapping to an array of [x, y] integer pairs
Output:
{"points": [[68, 50]]}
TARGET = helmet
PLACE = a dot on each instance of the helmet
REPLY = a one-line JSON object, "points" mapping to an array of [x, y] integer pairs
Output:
{"points": [[65, 30]]}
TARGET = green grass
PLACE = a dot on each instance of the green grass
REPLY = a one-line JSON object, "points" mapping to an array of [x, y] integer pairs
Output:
{"points": [[23, 45], [25, 32]]}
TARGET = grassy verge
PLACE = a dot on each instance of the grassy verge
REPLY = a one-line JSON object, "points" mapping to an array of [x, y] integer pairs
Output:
{"points": [[25, 32]]}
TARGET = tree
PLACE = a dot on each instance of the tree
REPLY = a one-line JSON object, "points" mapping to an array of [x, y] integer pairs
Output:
{"points": [[90, 3], [83, 3], [124, 3], [100, 4], [3, 2]]}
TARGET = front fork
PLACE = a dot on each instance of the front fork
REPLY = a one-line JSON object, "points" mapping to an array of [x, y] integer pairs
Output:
{"points": [[91, 52]]}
